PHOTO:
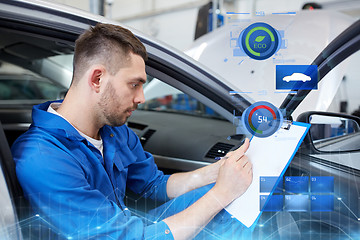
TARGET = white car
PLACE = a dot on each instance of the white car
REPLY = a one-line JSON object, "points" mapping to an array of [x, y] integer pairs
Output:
{"points": [[297, 77]]}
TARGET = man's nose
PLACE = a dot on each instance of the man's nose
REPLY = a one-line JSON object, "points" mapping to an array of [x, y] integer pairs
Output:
{"points": [[139, 98]]}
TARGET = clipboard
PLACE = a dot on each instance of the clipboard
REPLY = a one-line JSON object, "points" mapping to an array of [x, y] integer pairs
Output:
{"points": [[270, 157]]}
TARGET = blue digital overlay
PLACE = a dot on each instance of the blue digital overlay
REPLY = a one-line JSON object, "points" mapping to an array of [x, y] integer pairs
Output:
{"points": [[296, 77], [323, 184], [297, 196], [297, 203], [275, 203], [259, 41], [239, 52], [322, 203], [267, 184], [262, 119], [297, 184]]}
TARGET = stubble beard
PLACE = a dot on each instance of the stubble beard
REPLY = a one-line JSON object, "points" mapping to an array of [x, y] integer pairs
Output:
{"points": [[108, 104]]}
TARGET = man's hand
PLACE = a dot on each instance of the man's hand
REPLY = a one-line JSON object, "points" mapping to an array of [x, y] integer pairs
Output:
{"points": [[235, 175]]}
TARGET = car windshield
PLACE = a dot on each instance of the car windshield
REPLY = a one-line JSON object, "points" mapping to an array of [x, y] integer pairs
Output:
{"points": [[271, 79]]}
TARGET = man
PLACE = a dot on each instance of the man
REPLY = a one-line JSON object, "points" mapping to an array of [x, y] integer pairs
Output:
{"points": [[78, 157]]}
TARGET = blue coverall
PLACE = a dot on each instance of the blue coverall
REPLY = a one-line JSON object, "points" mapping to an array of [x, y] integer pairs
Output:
{"points": [[80, 193]]}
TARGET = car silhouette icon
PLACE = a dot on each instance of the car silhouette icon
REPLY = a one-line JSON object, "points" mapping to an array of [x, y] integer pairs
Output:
{"points": [[297, 77]]}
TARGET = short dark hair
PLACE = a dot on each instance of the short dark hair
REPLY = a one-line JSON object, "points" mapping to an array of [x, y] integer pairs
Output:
{"points": [[107, 44]]}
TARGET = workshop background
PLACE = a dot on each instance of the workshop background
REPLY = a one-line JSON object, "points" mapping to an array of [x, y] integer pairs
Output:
{"points": [[175, 22]]}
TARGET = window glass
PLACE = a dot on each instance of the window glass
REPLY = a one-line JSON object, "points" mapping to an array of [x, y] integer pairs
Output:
{"points": [[48, 90], [33, 68], [162, 97], [347, 98], [64, 60], [19, 84]]}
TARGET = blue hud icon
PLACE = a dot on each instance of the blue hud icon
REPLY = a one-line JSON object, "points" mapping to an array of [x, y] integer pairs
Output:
{"points": [[259, 41], [296, 77], [262, 119]]}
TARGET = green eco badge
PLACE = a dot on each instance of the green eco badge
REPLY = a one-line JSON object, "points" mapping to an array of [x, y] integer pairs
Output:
{"points": [[259, 41]]}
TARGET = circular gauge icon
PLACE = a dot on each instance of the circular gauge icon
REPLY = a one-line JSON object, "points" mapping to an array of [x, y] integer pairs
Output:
{"points": [[259, 41], [262, 119]]}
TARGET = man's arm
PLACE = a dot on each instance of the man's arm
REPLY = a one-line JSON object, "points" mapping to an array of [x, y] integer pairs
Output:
{"points": [[180, 183], [234, 177]]}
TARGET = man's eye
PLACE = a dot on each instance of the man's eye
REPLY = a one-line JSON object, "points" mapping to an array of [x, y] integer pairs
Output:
{"points": [[134, 85]]}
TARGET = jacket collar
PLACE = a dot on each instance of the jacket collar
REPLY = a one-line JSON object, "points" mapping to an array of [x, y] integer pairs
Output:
{"points": [[59, 126], [53, 123]]}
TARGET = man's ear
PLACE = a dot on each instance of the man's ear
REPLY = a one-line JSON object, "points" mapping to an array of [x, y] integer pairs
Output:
{"points": [[94, 79]]}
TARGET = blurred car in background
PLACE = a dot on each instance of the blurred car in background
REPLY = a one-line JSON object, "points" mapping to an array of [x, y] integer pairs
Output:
{"points": [[188, 118]]}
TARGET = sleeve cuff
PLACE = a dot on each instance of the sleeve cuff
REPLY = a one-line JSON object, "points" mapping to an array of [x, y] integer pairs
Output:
{"points": [[158, 230], [159, 192], [164, 184]]}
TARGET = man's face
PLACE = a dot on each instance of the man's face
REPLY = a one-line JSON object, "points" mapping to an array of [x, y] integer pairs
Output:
{"points": [[123, 92]]}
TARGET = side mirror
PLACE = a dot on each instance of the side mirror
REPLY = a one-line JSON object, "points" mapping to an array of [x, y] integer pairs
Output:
{"points": [[332, 132]]}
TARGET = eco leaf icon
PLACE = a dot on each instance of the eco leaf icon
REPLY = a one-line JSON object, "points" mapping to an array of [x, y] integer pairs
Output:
{"points": [[259, 38]]}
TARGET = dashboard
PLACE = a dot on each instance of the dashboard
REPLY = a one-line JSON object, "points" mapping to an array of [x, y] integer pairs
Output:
{"points": [[184, 142]]}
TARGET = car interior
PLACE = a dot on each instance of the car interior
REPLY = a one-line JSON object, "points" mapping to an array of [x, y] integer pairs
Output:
{"points": [[169, 126]]}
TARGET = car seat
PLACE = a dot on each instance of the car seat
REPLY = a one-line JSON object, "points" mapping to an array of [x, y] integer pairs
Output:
{"points": [[13, 186], [22, 206], [8, 166], [32, 227]]}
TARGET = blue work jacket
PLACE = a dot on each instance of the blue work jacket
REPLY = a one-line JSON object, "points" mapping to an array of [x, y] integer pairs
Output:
{"points": [[78, 191]]}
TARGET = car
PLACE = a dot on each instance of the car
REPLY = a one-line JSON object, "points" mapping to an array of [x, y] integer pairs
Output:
{"points": [[188, 119], [297, 77]]}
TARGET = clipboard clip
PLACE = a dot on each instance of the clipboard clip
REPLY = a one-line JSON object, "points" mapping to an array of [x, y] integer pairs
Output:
{"points": [[286, 124]]}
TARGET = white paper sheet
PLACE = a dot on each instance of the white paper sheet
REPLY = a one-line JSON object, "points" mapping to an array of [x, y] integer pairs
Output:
{"points": [[270, 157]]}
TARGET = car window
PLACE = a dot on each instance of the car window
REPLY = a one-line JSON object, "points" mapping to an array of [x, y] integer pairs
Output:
{"points": [[48, 90], [336, 134], [162, 97], [26, 85], [347, 99], [33, 68]]}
